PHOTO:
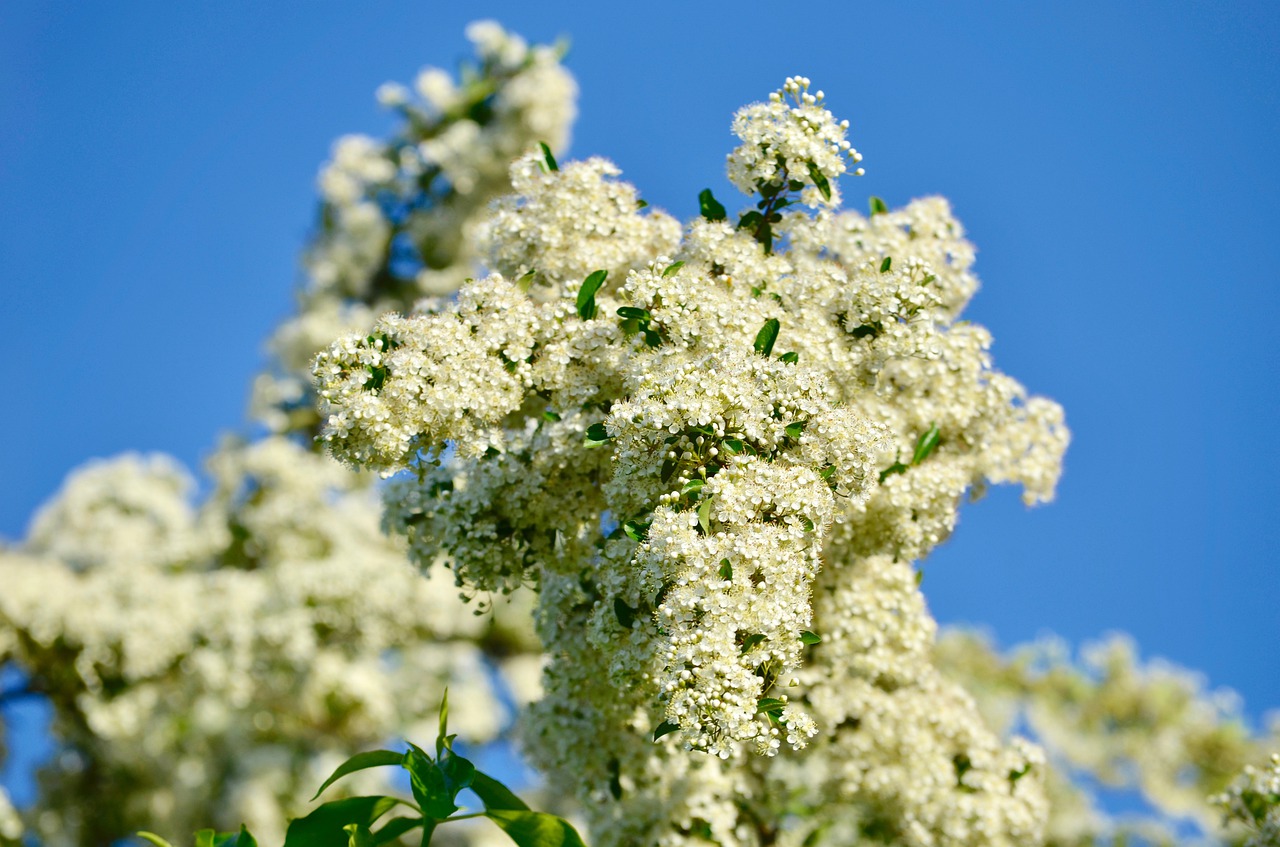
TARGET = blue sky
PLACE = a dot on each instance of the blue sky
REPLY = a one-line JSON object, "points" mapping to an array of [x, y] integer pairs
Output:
{"points": [[1115, 164]]}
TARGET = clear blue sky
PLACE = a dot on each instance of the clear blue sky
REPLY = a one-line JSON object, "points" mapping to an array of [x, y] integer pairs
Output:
{"points": [[1116, 164]]}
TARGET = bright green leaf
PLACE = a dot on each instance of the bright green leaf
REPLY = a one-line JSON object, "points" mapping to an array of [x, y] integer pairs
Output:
{"points": [[548, 158], [358, 835], [710, 207], [795, 430], [752, 640], [790, 358], [808, 637], [726, 570], [362, 761], [535, 829], [154, 839], [672, 269], [587, 294], [766, 337], [878, 207], [733, 445], [704, 516], [205, 838], [926, 444], [886, 264], [631, 312], [635, 530]]}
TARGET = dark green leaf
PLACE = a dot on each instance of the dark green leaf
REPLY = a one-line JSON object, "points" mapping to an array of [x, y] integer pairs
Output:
{"points": [[548, 158], [668, 470], [665, 728], [634, 313], [362, 761], [535, 829], [808, 637], [693, 486], [790, 358], [377, 377], [886, 264], [820, 180], [495, 795], [704, 516], [635, 530], [710, 207], [752, 640], [795, 430], [878, 207], [726, 570], [431, 786], [896, 467], [766, 337], [587, 294], [323, 827], [597, 434], [770, 705], [395, 828], [625, 614], [641, 203], [750, 219], [867, 330], [244, 839], [733, 445], [672, 269], [926, 444], [1014, 776]]}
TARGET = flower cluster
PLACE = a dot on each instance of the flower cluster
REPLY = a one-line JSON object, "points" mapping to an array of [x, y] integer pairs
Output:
{"points": [[1254, 801], [714, 455]]}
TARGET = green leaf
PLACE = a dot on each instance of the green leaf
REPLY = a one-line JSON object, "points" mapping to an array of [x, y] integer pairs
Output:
{"points": [[204, 838], [795, 430], [549, 415], [324, 826], [635, 530], [704, 516], [750, 219], [672, 269], [665, 728], [806, 523], [886, 264], [632, 312], [896, 467], [358, 835], [597, 435], [726, 570], [710, 207], [535, 829], [587, 294], [867, 330], [548, 158], [733, 445], [154, 839], [625, 614], [362, 761], [919, 578], [430, 784], [807, 637], [878, 207], [766, 337], [790, 358], [442, 737], [641, 203], [770, 705], [495, 795], [244, 839], [820, 180], [752, 640], [395, 828], [926, 444], [693, 486]]}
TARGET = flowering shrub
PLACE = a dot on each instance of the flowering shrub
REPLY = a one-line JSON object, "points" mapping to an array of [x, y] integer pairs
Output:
{"points": [[685, 473]]}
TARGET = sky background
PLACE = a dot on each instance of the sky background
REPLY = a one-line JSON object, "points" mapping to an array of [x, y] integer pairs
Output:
{"points": [[1115, 163]]}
